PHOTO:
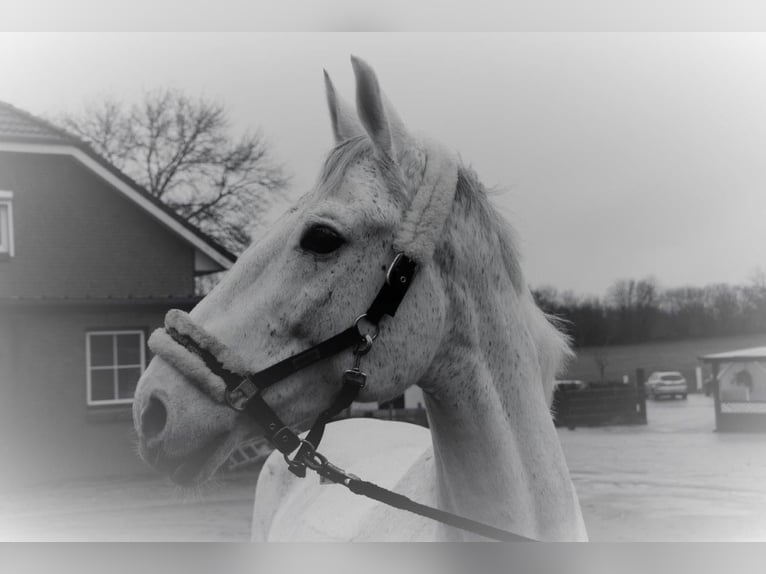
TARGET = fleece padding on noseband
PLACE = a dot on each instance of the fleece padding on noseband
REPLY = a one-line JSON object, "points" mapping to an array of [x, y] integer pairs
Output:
{"points": [[429, 209], [190, 363]]}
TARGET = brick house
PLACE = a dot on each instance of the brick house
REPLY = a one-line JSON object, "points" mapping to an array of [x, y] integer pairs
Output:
{"points": [[89, 265]]}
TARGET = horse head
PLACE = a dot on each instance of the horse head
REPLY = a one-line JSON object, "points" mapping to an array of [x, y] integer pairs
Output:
{"points": [[308, 277]]}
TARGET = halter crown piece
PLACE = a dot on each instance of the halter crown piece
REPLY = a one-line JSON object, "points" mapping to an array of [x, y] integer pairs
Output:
{"points": [[430, 207]]}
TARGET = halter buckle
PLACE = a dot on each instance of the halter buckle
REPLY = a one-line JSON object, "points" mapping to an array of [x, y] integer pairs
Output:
{"points": [[238, 397], [400, 271]]}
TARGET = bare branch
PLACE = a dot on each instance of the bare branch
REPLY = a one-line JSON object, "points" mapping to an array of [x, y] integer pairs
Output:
{"points": [[181, 151]]}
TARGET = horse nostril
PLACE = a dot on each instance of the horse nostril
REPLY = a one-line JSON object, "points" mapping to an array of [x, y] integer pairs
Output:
{"points": [[153, 418]]}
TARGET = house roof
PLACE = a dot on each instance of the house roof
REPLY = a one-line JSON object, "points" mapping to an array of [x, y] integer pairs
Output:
{"points": [[23, 132], [18, 125], [740, 355]]}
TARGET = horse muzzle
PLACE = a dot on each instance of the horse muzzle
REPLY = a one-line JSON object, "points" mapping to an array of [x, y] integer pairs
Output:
{"points": [[181, 433]]}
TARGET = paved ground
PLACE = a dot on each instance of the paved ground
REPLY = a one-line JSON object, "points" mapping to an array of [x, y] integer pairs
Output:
{"points": [[137, 509], [674, 479]]}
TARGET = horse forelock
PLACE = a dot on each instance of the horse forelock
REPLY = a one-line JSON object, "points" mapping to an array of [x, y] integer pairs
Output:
{"points": [[352, 152]]}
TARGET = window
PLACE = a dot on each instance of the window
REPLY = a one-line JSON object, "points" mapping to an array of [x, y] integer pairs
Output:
{"points": [[115, 361], [6, 224]]}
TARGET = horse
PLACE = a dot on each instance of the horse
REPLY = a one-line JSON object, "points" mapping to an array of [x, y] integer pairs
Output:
{"points": [[467, 332]]}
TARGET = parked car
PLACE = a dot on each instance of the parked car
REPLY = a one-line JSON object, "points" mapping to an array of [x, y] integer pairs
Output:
{"points": [[666, 384]]}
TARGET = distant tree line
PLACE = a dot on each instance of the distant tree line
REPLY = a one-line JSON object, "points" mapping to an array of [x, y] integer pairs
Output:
{"points": [[637, 311]]}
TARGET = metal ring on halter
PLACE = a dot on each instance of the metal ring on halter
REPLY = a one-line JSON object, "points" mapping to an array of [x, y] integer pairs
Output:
{"points": [[311, 459], [364, 347], [375, 331]]}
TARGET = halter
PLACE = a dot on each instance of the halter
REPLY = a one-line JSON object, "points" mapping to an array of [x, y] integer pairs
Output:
{"points": [[415, 242], [243, 390]]}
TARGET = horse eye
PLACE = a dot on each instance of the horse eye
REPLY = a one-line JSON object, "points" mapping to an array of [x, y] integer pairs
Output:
{"points": [[321, 239]]}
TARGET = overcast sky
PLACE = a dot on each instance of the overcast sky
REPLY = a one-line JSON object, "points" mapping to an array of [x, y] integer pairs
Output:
{"points": [[616, 155]]}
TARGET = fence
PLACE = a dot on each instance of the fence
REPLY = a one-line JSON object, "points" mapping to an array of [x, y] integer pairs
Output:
{"points": [[253, 450], [599, 404]]}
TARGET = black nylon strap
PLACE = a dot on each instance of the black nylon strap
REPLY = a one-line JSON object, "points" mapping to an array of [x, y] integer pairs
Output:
{"points": [[270, 375], [389, 297], [343, 399], [283, 439], [327, 348]]}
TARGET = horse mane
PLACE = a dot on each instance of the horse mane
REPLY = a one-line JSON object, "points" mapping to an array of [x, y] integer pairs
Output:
{"points": [[553, 346], [471, 201]]}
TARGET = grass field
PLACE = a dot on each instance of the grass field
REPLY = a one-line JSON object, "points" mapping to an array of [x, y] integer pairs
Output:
{"points": [[668, 356]]}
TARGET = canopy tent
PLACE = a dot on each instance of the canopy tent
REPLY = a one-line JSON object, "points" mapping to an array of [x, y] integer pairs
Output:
{"points": [[739, 389]]}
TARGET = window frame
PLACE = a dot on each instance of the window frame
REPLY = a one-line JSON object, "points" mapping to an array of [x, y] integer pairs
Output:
{"points": [[114, 367], [6, 206]]}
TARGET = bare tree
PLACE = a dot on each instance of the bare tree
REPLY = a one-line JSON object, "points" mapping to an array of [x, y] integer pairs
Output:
{"points": [[637, 304], [180, 149]]}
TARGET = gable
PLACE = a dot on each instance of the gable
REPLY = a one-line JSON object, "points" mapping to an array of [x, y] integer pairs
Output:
{"points": [[21, 132], [75, 238]]}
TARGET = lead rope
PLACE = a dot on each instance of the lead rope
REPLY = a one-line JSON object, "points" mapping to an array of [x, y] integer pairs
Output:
{"points": [[324, 468]]}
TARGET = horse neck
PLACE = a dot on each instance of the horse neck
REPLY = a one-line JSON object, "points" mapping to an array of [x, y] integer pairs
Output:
{"points": [[496, 452]]}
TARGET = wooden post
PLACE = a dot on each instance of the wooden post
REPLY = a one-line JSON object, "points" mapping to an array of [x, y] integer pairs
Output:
{"points": [[698, 379], [641, 389], [716, 396]]}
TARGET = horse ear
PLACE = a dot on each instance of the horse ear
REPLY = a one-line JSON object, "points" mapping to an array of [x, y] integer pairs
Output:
{"points": [[369, 105], [344, 121]]}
